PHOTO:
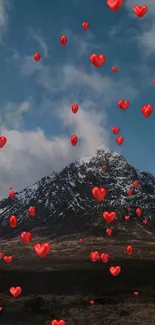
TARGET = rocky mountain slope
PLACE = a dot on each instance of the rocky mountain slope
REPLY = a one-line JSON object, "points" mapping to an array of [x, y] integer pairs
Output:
{"points": [[65, 203]]}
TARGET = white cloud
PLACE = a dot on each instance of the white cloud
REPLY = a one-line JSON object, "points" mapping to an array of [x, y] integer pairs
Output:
{"points": [[82, 45], [39, 39], [78, 80], [145, 36], [28, 156], [11, 114], [149, 3]]}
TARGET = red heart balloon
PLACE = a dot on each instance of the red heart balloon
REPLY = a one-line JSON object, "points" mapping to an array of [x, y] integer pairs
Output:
{"points": [[97, 60], [99, 193], [140, 11]]}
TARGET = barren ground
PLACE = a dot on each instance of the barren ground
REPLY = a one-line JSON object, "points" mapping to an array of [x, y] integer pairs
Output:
{"points": [[66, 280]]}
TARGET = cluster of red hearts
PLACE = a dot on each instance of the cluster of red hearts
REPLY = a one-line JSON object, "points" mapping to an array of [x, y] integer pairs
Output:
{"points": [[99, 194], [99, 59], [26, 237], [139, 11], [123, 105]]}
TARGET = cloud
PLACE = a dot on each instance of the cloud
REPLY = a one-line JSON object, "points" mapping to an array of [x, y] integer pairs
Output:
{"points": [[77, 81], [3, 13], [39, 39], [82, 44], [149, 3], [28, 156], [11, 114], [144, 36]]}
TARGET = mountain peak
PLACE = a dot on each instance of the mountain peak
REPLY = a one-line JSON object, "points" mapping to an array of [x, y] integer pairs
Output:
{"points": [[66, 197]]}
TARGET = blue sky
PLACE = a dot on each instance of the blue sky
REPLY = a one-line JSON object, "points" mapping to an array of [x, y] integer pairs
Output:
{"points": [[35, 98]]}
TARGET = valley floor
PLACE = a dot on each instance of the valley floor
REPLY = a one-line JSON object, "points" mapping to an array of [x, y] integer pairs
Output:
{"points": [[62, 285]]}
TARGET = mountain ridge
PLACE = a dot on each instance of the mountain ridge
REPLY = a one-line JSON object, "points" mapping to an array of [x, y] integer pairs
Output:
{"points": [[66, 197]]}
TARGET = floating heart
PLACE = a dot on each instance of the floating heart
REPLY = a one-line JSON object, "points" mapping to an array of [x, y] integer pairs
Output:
{"points": [[13, 221], [58, 322], [75, 108], [114, 69], [115, 130], [3, 141], [136, 184], [109, 231], [129, 192], [36, 57], [147, 110], [97, 60], [140, 11], [12, 194], [109, 216], [127, 218], [42, 249], [123, 104], [114, 5], [99, 193], [15, 291], [129, 250], [8, 259], [120, 140], [74, 140], [115, 270], [32, 211], [26, 237], [105, 257], [139, 212], [95, 256], [63, 40], [85, 25], [91, 302]]}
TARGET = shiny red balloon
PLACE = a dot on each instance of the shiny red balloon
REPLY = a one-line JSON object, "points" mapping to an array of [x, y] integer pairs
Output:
{"points": [[85, 25], [36, 57], [74, 140], [3, 141], [136, 184], [129, 192], [12, 194], [139, 212], [75, 108], [115, 130], [120, 140], [95, 256], [63, 40], [129, 250], [13, 221], [26, 237], [32, 210], [114, 69], [147, 110]]}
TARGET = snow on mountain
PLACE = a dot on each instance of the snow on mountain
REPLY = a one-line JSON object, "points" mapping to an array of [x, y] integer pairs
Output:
{"points": [[66, 198]]}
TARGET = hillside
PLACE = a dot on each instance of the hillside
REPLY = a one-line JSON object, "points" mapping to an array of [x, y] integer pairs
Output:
{"points": [[65, 204]]}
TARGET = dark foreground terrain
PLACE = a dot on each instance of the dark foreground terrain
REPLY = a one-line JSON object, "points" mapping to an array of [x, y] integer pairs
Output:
{"points": [[61, 285]]}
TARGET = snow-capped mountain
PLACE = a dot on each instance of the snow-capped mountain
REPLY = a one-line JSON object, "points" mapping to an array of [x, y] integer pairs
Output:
{"points": [[64, 200]]}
